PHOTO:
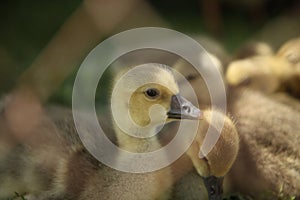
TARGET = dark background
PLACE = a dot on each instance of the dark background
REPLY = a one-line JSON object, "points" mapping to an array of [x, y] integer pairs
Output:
{"points": [[27, 26]]}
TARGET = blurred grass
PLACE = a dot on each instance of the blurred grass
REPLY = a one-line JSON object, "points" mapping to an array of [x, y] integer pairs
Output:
{"points": [[17, 196]]}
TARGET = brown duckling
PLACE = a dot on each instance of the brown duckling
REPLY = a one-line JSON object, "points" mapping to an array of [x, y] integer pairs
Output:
{"points": [[268, 156], [268, 163], [222, 156]]}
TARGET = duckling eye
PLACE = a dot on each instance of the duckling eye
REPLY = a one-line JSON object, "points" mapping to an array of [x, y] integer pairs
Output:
{"points": [[152, 93]]}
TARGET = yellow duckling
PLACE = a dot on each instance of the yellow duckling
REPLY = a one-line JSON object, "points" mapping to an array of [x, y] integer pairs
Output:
{"points": [[290, 51], [253, 48], [276, 75], [269, 72], [263, 73], [53, 163]]}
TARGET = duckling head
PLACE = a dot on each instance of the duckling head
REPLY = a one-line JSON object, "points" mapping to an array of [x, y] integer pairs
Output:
{"points": [[147, 96], [254, 48], [191, 77], [262, 73], [290, 51]]}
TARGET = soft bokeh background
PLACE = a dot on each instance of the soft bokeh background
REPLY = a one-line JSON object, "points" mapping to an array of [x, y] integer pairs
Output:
{"points": [[42, 43], [28, 26]]}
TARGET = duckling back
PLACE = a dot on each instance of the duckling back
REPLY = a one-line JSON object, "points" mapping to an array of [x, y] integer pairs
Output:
{"points": [[269, 157]]}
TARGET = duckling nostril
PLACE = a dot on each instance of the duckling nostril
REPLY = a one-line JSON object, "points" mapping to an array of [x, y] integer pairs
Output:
{"points": [[187, 109], [183, 109], [212, 190]]}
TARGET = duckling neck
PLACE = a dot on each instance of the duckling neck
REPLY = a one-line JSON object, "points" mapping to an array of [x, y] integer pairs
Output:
{"points": [[126, 131], [135, 144]]}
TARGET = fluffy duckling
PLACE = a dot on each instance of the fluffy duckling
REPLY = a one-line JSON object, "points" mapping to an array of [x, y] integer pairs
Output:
{"points": [[275, 75], [269, 155], [195, 79], [53, 163], [290, 51], [219, 161], [268, 164], [263, 73], [211, 168], [269, 73], [253, 48], [214, 166], [286, 99]]}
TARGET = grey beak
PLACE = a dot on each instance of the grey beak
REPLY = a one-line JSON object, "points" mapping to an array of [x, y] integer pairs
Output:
{"points": [[214, 187], [183, 109]]}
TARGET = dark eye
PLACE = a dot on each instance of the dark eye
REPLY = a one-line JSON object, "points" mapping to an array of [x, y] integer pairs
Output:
{"points": [[152, 93], [191, 77]]}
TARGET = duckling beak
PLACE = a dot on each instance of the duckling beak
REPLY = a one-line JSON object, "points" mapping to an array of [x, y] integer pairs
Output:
{"points": [[183, 109], [214, 187]]}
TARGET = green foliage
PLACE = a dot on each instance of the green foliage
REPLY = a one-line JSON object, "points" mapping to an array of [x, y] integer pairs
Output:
{"points": [[17, 196]]}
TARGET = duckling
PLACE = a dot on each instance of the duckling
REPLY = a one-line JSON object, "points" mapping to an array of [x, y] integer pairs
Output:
{"points": [[54, 164], [253, 48], [202, 179], [264, 73], [269, 155], [275, 74], [286, 99], [269, 73], [219, 161], [290, 51], [214, 166], [252, 60], [195, 79], [268, 163]]}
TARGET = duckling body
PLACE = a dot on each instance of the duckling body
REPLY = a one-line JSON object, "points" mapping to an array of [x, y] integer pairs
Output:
{"points": [[219, 161], [286, 99], [267, 121], [190, 187], [269, 157], [267, 165], [54, 164], [66, 170]]}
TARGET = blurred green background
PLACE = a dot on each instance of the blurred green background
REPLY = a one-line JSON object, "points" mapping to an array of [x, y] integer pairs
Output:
{"points": [[27, 27]]}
